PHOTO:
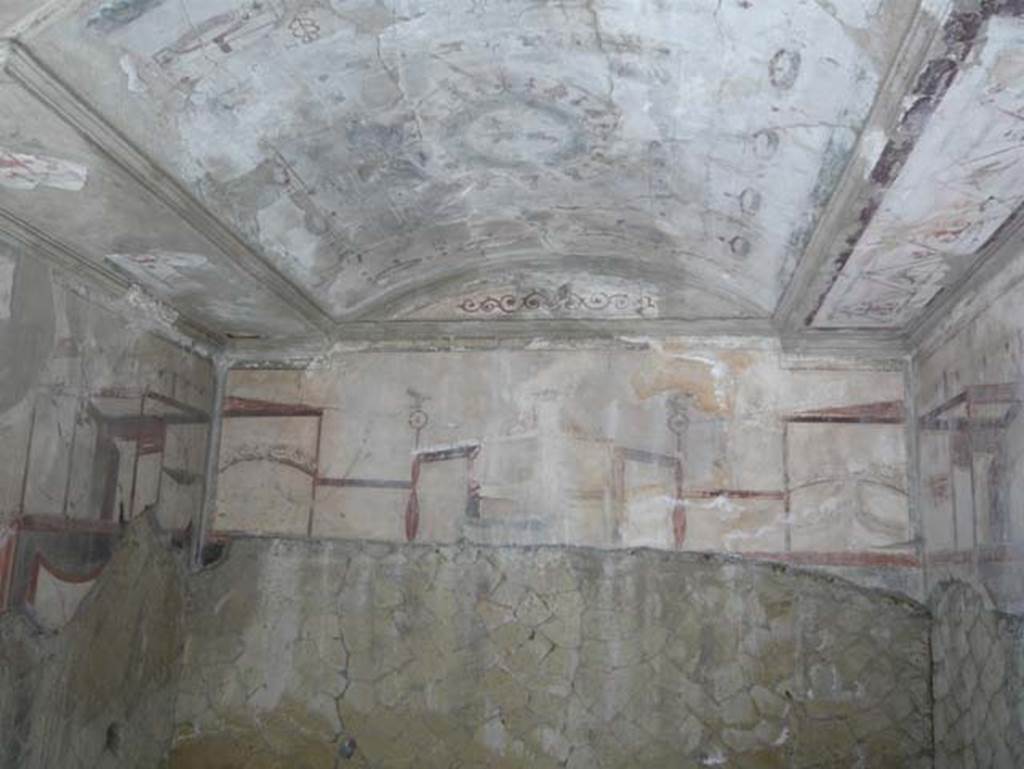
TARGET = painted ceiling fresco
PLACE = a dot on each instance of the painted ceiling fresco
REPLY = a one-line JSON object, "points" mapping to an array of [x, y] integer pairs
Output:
{"points": [[962, 138], [468, 160]]}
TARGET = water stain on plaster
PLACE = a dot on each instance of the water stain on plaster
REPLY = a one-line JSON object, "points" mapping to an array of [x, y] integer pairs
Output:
{"points": [[702, 379], [289, 736]]}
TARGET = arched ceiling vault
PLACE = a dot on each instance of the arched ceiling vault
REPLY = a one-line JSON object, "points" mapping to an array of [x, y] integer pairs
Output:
{"points": [[301, 168]]}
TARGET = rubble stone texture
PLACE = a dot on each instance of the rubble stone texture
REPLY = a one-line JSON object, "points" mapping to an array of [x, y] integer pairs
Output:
{"points": [[100, 693], [978, 672], [457, 655]]}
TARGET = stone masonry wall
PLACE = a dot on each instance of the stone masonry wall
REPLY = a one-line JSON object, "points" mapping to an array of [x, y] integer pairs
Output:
{"points": [[979, 682], [460, 655]]}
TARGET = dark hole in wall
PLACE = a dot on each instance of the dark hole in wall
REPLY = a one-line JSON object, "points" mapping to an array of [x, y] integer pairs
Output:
{"points": [[347, 748], [213, 552], [112, 742]]}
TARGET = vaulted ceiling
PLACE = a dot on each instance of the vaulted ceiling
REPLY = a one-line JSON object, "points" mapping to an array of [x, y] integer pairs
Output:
{"points": [[290, 169]]}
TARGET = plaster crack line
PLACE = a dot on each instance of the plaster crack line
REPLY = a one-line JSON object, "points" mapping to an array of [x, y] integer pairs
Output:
{"points": [[595, 23]]}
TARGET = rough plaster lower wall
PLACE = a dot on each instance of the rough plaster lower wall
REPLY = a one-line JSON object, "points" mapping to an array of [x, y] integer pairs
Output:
{"points": [[100, 693], [461, 655], [978, 682]]}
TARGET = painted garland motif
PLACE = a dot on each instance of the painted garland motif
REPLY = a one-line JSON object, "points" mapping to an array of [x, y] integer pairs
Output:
{"points": [[563, 300]]}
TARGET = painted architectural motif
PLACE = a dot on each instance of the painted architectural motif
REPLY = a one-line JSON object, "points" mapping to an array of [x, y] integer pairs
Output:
{"points": [[680, 447], [100, 422]]}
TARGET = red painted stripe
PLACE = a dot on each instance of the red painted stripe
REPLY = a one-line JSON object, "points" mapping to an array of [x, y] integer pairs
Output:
{"points": [[840, 558], [251, 407], [39, 563]]}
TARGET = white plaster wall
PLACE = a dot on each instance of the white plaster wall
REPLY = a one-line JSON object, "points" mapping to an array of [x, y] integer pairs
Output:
{"points": [[972, 480], [578, 446]]}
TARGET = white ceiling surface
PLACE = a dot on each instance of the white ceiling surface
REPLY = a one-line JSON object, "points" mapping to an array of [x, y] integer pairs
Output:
{"points": [[466, 160]]}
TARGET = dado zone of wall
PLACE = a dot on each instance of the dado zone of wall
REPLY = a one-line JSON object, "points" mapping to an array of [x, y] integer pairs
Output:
{"points": [[411, 655], [675, 445]]}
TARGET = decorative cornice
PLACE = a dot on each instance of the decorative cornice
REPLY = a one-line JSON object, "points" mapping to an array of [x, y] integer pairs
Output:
{"points": [[869, 349], [18, 63], [868, 343], [567, 328]]}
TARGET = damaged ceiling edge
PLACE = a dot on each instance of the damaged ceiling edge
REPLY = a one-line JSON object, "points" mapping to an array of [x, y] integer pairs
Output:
{"points": [[69, 264], [18, 63], [814, 276], [998, 271], [1003, 247], [949, 51]]}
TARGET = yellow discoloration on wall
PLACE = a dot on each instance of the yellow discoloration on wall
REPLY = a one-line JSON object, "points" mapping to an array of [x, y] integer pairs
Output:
{"points": [[693, 376]]}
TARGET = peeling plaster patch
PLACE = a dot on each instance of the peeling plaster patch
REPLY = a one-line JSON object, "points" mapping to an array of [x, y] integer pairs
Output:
{"points": [[116, 13], [135, 84], [715, 759], [144, 312], [721, 503], [720, 372], [20, 171], [677, 372], [872, 146], [164, 270], [442, 448]]}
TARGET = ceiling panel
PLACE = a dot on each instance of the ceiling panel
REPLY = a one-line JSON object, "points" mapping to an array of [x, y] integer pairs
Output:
{"points": [[371, 149]]}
